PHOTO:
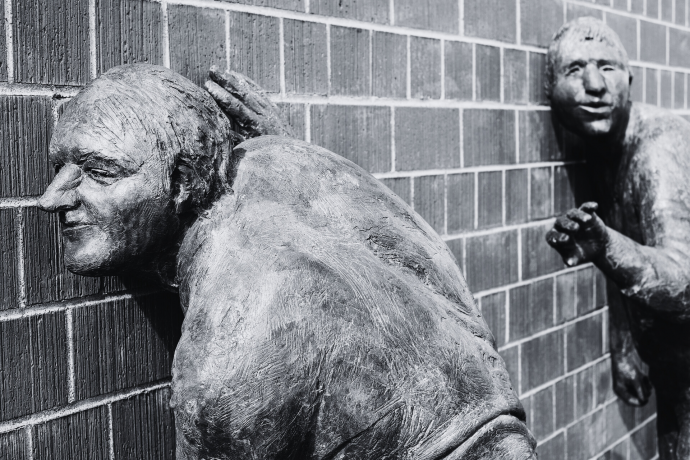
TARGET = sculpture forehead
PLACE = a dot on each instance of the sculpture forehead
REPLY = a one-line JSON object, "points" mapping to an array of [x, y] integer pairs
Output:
{"points": [[570, 50]]}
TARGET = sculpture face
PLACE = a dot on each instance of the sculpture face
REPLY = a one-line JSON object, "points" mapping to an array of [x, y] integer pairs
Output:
{"points": [[591, 90], [114, 196]]}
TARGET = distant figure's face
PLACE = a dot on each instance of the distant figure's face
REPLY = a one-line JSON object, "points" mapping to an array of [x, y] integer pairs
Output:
{"points": [[113, 194], [591, 89]]}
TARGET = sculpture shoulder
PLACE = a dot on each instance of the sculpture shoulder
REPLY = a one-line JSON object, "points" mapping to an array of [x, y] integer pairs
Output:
{"points": [[658, 137]]}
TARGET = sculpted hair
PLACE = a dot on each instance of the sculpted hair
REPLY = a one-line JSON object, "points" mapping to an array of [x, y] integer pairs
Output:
{"points": [[169, 115], [581, 30]]}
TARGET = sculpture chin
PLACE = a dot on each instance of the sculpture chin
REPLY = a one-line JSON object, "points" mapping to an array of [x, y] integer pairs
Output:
{"points": [[89, 252]]}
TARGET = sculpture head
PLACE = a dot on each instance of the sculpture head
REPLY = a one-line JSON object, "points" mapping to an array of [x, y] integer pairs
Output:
{"points": [[139, 153], [588, 78]]}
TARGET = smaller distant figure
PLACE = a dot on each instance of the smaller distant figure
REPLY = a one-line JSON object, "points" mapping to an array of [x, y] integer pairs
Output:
{"points": [[638, 230]]}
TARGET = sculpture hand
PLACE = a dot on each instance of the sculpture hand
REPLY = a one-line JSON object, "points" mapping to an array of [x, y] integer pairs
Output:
{"points": [[580, 236], [246, 103], [630, 380]]}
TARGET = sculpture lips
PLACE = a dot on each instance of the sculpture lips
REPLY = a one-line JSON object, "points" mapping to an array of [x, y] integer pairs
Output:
{"points": [[596, 108], [70, 228]]}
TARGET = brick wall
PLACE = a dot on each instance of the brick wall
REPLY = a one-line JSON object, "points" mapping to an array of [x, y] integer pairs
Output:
{"points": [[440, 99]]}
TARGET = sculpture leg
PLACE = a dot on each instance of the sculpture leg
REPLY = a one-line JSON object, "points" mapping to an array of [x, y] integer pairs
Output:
{"points": [[673, 414]]}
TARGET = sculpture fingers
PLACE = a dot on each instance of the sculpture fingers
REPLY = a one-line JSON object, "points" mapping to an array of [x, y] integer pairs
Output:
{"points": [[589, 207], [248, 120], [566, 247], [583, 218], [566, 224], [243, 88]]}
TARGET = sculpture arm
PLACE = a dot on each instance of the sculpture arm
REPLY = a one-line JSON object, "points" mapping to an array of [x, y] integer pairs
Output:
{"points": [[656, 276]]}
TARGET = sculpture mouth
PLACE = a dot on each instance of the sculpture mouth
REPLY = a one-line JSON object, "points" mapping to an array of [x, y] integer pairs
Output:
{"points": [[71, 228], [596, 108]]}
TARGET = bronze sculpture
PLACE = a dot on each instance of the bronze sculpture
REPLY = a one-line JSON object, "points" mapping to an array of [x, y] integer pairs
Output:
{"points": [[638, 230], [324, 319]]}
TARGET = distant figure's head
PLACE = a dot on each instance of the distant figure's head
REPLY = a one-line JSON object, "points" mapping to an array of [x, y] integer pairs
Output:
{"points": [[138, 152], [588, 77]]}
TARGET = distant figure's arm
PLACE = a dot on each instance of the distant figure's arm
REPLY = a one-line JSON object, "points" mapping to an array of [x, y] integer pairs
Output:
{"points": [[656, 274], [247, 104]]}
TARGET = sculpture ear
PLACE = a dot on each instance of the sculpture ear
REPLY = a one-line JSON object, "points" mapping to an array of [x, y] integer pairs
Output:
{"points": [[182, 185]]}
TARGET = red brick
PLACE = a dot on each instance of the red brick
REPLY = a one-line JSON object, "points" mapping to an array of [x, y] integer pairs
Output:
{"points": [[620, 5], [197, 41], [128, 31], [349, 61], [603, 381], [586, 437], [425, 68], [144, 427], [488, 84], [370, 11], [542, 360], [439, 15], [457, 247], [571, 187], [293, 114], [9, 281], [494, 19], [600, 288], [653, 9], [584, 392], [537, 257], [584, 341], [254, 48], [539, 21], [25, 130], [306, 50], [360, 134], [294, 5], [511, 358], [553, 448], [617, 452], [637, 87], [3, 47], [493, 309], [515, 88], [490, 199], [679, 47], [651, 83], [537, 68], [491, 260], [585, 290], [426, 138], [531, 309], [667, 9], [643, 443], [603, 2], [429, 200], [390, 65], [578, 11], [51, 41], [543, 424], [136, 337], [680, 12], [637, 6], [617, 421], [14, 445], [626, 28], [458, 70], [400, 186], [81, 436], [516, 196], [566, 297], [679, 90], [489, 136], [537, 138], [460, 202], [540, 193], [652, 42], [33, 364], [565, 402], [47, 279]]}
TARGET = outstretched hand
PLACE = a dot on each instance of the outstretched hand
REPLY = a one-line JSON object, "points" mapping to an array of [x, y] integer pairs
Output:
{"points": [[580, 236], [247, 104]]}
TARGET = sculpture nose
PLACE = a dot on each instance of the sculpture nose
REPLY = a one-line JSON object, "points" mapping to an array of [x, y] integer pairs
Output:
{"points": [[593, 80], [61, 194]]}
